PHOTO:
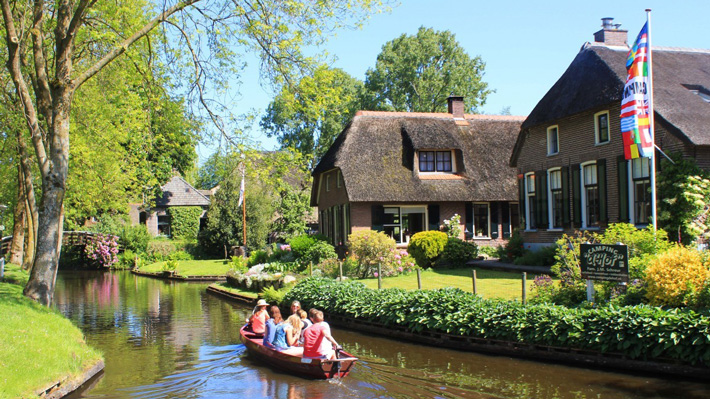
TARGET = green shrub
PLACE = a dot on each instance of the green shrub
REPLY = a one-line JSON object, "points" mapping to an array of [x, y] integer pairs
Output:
{"points": [[514, 248], [544, 256], [127, 259], [170, 266], [239, 264], [275, 296], [300, 244], [257, 257], [180, 255], [185, 221], [489, 251], [318, 252], [675, 276], [426, 246], [637, 332], [330, 268], [159, 250], [456, 253], [370, 248]]}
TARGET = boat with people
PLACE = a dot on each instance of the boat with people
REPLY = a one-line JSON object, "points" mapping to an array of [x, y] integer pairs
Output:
{"points": [[294, 361]]}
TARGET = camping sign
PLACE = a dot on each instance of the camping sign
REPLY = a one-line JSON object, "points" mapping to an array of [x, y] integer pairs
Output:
{"points": [[603, 262]]}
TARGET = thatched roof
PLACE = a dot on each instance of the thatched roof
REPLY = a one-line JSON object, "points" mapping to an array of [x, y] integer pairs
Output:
{"points": [[178, 192], [375, 154], [596, 78]]}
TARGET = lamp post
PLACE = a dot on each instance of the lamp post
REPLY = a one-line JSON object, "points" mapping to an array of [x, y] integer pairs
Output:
{"points": [[2, 229]]}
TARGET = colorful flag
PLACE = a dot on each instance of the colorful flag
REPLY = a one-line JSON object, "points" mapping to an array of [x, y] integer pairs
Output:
{"points": [[635, 103]]}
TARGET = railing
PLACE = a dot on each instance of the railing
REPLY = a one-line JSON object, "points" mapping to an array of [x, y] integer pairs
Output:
{"points": [[72, 238]]}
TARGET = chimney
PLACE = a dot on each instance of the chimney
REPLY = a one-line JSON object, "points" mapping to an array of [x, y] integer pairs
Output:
{"points": [[456, 107], [610, 34]]}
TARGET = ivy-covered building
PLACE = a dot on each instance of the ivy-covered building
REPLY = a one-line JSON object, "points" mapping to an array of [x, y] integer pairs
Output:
{"points": [[177, 194], [406, 172], [569, 156]]}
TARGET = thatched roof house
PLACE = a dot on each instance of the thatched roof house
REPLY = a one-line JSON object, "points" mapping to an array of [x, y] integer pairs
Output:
{"points": [[422, 168], [569, 152]]}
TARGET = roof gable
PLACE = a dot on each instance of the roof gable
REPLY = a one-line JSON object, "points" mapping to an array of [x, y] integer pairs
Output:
{"points": [[178, 192]]}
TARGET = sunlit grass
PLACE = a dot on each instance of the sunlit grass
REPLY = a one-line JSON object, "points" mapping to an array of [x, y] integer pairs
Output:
{"points": [[15, 275], [235, 290], [209, 267], [38, 346], [489, 283]]}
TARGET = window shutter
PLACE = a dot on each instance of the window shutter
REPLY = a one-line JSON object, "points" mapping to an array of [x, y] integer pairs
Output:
{"points": [[505, 212], [494, 219], [521, 201], [623, 189], [565, 196], [469, 219], [378, 217], [541, 196], [601, 182], [433, 217], [576, 196]]}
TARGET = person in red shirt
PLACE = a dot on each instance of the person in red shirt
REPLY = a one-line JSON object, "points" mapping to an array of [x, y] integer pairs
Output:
{"points": [[314, 336], [259, 317]]}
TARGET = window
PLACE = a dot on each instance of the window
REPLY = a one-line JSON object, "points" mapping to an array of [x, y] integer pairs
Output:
{"points": [[435, 161], [327, 182], [481, 220], [556, 200], [590, 196], [164, 225], [530, 222], [641, 193], [601, 127], [401, 223], [553, 141]]}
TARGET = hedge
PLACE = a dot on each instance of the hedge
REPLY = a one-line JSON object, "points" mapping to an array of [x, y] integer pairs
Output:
{"points": [[185, 221], [639, 332]]}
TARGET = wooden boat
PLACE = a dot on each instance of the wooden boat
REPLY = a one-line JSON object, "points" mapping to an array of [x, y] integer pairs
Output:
{"points": [[296, 363]]}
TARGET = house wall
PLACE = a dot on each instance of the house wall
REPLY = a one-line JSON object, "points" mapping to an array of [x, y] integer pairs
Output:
{"points": [[333, 195], [577, 145]]}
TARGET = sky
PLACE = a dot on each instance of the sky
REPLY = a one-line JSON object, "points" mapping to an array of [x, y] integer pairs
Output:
{"points": [[526, 45]]}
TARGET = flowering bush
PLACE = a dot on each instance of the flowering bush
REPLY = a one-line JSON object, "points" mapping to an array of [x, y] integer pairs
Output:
{"points": [[102, 249], [255, 279], [452, 227], [371, 248], [674, 276]]}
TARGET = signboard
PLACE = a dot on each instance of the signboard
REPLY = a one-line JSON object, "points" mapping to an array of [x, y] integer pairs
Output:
{"points": [[603, 262]]}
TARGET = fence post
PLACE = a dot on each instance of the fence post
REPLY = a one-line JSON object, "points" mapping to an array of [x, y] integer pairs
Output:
{"points": [[340, 266], [310, 268], [475, 288], [525, 288], [379, 276], [419, 278]]}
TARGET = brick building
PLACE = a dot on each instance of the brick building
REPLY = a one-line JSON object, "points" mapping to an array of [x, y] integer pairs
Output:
{"points": [[569, 154], [403, 173]]}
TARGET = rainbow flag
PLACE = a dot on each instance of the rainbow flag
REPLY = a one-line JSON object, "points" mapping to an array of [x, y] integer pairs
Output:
{"points": [[635, 103]]}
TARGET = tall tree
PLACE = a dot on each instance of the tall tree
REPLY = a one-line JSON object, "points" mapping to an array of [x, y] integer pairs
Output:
{"points": [[311, 114], [417, 73], [49, 46]]}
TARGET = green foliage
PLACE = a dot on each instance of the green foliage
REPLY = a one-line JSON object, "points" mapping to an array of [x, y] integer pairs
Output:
{"points": [[275, 296], [300, 244], [418, 72], [239, 264], [257, 257], [318, 252], [456, 253], [489, 251], [514, 248], [452, 226], [426, 246], [676, 276], [159, 250], [544, 256], [309, 115], [185, 221], [637, 332], [370, 248], [180, 255], [127, 260], [170, 266], [135, 238], [684, 189]]}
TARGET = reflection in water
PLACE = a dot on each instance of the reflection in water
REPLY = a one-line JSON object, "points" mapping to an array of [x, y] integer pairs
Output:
{"points": [[172, 340]]}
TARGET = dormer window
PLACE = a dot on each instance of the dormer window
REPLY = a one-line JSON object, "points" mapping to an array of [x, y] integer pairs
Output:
{"points": [[435, 161]]}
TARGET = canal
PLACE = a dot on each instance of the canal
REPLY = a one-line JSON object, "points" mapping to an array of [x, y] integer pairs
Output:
{"points": [[165, 339]]}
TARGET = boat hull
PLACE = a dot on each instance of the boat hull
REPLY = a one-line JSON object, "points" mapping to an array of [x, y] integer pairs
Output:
{"points": [[295, 364]]}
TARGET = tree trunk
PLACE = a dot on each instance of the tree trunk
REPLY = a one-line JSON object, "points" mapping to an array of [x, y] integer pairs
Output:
{"points": [[30, 203], [18, 231]]}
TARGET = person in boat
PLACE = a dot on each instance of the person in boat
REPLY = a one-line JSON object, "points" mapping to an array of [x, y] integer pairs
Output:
{"points": [[287, 333], [295, 307], [270, 327], [316, 338], [305, 322], [258, 317]]}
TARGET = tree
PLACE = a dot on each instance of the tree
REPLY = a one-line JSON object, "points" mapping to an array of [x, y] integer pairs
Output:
{"points": [[417, 73], [310, 115], [51, 48]]}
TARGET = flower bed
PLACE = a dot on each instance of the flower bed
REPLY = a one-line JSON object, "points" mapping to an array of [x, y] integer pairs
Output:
{"points": [[255, 279]]}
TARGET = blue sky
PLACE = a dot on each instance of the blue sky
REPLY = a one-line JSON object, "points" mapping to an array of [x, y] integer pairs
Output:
{"points": [[526, 45]]}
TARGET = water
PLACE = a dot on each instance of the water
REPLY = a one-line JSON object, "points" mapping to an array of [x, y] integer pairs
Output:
{"points": [[173, 340]]}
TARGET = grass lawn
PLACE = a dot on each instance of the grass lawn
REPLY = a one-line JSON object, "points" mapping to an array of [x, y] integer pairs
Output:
{"points": [[38, 346], [209, 267], [489, 283], [234, 290]]}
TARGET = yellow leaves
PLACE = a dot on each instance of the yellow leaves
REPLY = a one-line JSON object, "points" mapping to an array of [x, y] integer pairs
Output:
{"points": [[674, 274]]}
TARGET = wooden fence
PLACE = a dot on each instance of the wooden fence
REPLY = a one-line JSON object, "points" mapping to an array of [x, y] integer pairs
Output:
{"points": [[72, 238]]}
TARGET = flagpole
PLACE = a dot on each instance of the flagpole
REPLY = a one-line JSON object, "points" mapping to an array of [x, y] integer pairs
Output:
{"points": [[652, 126], [244, 205]]}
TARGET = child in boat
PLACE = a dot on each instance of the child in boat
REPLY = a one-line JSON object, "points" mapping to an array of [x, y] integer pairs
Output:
{"points": [[316, 336], [287, 333], [306, 322], [258, 318], [271, 324]]}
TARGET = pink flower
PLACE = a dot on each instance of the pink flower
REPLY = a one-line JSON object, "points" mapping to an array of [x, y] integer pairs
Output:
{"points": [[400, 269], [376, 274]]}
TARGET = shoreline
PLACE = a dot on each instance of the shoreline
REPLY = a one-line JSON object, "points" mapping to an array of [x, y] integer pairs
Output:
{"points": [[166, 276]]}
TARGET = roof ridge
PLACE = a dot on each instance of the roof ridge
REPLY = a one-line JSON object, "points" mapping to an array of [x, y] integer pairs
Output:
{"points": [[437, 115], [189, 185], [653, 47]]}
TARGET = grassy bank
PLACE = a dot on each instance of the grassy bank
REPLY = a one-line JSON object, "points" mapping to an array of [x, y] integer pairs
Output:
{"points": [[234, 290], [209, 267], [38, 346], [489, 283]]}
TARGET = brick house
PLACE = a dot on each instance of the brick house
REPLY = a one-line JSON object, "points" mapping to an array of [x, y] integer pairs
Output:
{"points": [[569, 154], [403, 173], [176, 192]]}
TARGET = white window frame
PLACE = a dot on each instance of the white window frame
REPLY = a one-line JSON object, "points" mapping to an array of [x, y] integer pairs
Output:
{"points": [[339, 179], [550, 213], [550, 130], [529, 211], [401, 210], [327, 182], [488, 228], [632, 192], [597, 139], [583, 182], [453, 162]]}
